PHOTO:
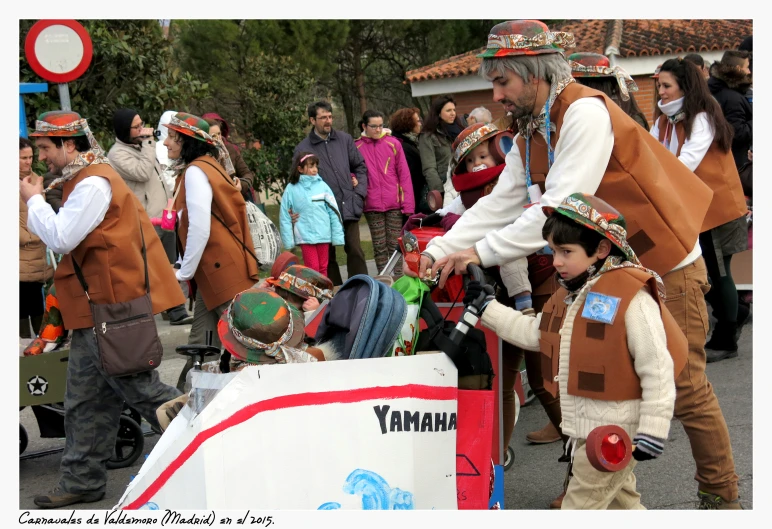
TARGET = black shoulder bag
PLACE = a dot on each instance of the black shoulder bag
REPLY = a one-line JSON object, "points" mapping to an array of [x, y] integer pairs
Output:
{"points": [[126, 334]]}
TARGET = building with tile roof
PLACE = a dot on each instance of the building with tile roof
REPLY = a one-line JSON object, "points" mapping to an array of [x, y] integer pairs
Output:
{"points": [[638, 46]]}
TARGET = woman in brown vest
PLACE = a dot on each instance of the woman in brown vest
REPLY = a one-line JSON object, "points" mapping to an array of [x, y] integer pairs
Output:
{"points": [[34, 270], [212, 230], [692, 126]]}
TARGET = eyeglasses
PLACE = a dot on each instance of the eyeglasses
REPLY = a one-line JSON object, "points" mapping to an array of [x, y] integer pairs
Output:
{"points": [[375, 127], [138, 127]]}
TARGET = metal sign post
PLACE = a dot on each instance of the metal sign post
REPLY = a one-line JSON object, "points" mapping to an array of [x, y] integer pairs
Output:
{"points": [[64, 96]]}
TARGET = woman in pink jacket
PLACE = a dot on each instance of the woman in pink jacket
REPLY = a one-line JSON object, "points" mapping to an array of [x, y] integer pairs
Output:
{"points": [[389, 188]]}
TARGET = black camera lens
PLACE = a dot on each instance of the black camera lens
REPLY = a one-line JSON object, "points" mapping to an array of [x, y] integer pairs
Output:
{"points": [[157, 133]]}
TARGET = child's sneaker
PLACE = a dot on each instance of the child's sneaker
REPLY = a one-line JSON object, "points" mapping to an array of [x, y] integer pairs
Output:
{"points": [[712, 502]]}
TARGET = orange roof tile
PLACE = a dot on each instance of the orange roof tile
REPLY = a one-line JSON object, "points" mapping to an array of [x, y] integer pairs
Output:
{"points": [[464, 64], [633, 38]]}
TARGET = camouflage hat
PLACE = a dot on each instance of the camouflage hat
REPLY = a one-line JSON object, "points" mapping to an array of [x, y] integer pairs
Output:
{"points": [[190, 125], [257, 324], [596, 214], [597, 65], [59, 123], [304, 282], [525, 37]]}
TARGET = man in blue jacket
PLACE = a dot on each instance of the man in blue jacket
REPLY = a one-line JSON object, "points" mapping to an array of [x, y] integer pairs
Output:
{"points": [[339, 163]]}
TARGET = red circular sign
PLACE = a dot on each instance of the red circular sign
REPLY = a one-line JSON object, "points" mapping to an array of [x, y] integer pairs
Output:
{"points": [[59, 51]]}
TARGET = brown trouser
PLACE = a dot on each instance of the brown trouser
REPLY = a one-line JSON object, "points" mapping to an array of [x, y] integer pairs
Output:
{"points": [[696, 406], [355, 257]]}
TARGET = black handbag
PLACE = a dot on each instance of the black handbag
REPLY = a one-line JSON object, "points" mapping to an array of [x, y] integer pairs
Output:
{"points": [[126, 333]]}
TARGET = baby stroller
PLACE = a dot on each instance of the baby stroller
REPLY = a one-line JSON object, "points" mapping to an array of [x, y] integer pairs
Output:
{"points": [[42, 383]]}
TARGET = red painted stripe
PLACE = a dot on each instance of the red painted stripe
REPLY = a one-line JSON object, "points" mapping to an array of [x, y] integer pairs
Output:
{"points": [[415, 391]]}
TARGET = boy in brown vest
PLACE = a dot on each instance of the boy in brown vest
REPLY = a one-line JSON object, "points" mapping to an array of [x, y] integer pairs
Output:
{"points": [[99, 226], [571, 139], [606, 341]]}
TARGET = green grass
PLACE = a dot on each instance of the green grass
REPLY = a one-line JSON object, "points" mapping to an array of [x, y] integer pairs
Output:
{"points": [[272, 210]]}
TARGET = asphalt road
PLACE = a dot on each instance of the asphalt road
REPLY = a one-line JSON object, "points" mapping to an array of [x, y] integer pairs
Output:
{"points": [[535, 478]]}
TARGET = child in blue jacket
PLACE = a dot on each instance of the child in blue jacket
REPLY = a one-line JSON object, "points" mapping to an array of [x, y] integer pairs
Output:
{"points": [[319, 223]]}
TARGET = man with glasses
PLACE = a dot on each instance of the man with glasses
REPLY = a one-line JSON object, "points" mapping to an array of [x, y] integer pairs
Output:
{"points": [[133, 156], [339, 160]]}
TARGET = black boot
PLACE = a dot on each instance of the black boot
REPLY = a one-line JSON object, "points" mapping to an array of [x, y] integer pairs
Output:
{"points": [[743, 317], [179, 316], [723, 342]]}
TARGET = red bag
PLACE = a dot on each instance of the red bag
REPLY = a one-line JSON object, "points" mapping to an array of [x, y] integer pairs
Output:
{"points": [[474, 440]]}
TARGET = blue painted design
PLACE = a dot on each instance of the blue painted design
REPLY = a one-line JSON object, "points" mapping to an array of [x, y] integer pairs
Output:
{"points": [[498, 488], [371, 487], [401, 500], [600, 307], [149, 506], [375, 492]]}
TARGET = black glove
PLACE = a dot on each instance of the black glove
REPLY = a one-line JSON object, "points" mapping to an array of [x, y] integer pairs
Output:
{"points": [[647, 447], [473, 291]]}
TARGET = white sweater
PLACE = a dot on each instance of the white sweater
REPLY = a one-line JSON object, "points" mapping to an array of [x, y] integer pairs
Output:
{"points": [[696, 146], [646, 341], [498, 225]]}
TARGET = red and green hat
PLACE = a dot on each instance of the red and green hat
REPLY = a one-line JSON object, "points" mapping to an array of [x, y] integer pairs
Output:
{"points": [[468, 139], [525, 37], [304, 282], [596, 214], [190, 125], [584, 64], [258, 324], [59, 123]]}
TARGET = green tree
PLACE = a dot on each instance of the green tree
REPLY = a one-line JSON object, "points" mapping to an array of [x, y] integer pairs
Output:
{"points": [[260, 83], [132, 67], [275, 93]]}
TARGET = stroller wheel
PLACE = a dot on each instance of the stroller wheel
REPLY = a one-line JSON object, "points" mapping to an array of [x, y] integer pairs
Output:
{"points": [[132, 414], [128, 444], [509, 458], [23, 439]]}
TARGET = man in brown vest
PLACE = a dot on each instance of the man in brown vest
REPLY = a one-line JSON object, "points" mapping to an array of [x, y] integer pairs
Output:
{"points": [[586, 143], [97, 225]]}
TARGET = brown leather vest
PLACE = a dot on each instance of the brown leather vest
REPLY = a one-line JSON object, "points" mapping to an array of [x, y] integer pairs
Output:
{"points": [[717, 169], [600, 366], [663, 202], [111, 257], [225, 268]]}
